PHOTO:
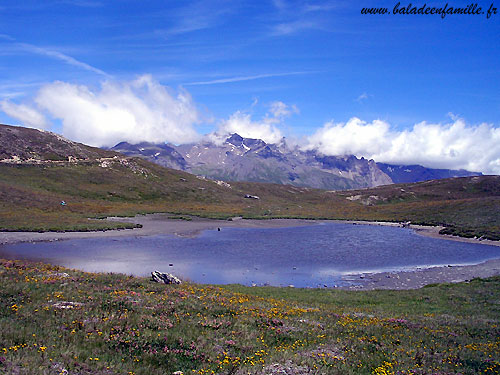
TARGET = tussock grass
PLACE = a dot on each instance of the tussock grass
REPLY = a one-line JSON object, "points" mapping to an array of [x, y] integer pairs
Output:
{"points": [[59, 321]]}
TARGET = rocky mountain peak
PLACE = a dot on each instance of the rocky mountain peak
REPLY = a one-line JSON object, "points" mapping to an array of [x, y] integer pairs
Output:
{"points": [[246, 144], [235, 139], [249, 159]]}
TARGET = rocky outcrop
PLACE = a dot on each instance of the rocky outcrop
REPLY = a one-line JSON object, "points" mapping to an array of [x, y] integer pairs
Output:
{"points": [[251, 196], [19, 145], [163, 277]]}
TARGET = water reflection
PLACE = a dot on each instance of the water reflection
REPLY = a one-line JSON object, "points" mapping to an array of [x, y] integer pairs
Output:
{"points": [[307, 256]]}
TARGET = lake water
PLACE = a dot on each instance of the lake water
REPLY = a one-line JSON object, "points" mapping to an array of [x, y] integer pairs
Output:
{"points": [[306, 256]]}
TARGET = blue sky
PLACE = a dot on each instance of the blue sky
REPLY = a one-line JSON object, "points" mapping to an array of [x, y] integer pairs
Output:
{"points": [[233, 62]]}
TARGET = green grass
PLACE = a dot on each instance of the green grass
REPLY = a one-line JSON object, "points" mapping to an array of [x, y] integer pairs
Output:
{"points": [[116, 324]]}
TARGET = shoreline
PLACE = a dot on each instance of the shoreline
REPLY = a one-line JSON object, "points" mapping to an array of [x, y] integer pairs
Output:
{"points": [[422, 230], [154, 224], [420, 277], [161, 224]]}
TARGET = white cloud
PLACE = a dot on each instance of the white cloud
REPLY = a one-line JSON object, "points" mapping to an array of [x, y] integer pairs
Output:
{"points": [[266, 129], [289, 28], [242, 123], [198, 15], [54, 54], [454, 145], [83, 3], [144, 110], [136, 111], [215, 138], [321, 7], [280, 4], [280, 110], [28, 116]]}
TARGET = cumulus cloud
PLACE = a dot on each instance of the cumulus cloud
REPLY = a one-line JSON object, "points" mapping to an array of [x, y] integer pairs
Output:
{"points": [[28, 116], [136, 111], [454, 145], [242, 123], [266, 129]]}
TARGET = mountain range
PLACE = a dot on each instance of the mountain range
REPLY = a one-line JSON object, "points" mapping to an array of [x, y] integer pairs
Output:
{"points": [[247, 159]]}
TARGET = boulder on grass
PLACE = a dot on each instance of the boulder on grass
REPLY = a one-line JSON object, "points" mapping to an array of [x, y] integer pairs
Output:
{"points": [[163, 277]]}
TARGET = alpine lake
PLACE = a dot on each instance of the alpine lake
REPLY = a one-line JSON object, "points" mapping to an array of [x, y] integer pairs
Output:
{"points": [[322, 255]]}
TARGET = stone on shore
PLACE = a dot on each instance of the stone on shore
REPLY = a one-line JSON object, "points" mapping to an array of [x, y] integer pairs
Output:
{"points": [[166, 278]]}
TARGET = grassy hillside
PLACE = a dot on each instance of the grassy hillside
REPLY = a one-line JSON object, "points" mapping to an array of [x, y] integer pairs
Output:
{"points": [[60, 321], [30, 196]]}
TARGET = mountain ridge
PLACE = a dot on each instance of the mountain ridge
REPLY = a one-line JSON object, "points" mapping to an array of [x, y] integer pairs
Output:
{"points": [[249, 159], [19, 144]]}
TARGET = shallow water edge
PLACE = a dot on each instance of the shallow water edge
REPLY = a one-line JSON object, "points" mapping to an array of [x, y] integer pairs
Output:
{"points": [[395, 278], [160, 223]]}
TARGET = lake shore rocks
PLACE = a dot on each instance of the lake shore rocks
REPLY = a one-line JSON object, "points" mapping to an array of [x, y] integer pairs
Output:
{"points": [[165, 278]]}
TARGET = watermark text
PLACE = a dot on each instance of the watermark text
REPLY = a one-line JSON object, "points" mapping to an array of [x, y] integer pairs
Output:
{"points": [[443, 11]]}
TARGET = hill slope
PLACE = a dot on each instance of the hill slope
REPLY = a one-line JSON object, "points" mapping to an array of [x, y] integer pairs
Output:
{"points": [[415, 173], [18, 144], [107, 183]]}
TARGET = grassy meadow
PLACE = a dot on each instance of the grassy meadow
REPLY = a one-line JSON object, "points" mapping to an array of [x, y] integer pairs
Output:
{"points": [[60, 321]]}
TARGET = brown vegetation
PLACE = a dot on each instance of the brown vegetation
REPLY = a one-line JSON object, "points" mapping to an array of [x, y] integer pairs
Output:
{"points": [[30, 197]]}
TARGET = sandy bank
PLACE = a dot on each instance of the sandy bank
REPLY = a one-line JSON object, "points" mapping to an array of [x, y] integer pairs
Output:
{"points": [[421, 277], [153, 224]]}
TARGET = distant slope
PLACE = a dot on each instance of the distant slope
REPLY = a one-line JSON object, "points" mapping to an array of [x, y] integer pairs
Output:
{"points": [[107, 183], [253, 160], [415, 173], [160, 153], [247, 159]]}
